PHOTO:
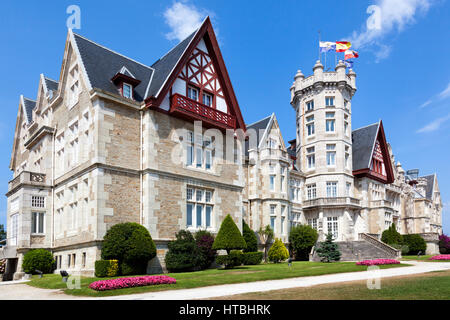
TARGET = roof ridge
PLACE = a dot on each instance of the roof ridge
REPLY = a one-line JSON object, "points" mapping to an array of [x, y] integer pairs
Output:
{"points": [[47, 78], [115, 52], [173, 48], [25, 98], [249, 125], [376, 123]]}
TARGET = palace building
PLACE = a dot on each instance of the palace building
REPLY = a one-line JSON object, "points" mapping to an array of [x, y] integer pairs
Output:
{"points": [[165, 145]]}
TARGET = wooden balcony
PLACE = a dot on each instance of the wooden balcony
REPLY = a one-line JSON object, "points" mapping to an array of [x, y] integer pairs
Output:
{"points": [[194, 110]]}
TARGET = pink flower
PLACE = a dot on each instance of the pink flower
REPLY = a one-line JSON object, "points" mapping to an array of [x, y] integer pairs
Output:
{"points": [[377, 262], [441, 257], [119, 283]]}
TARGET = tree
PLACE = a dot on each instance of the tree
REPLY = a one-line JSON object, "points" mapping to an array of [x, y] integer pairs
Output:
{"points": [[204, 241], [229, 237], [250, 238], [444, 244], [392, 236], [38, 259], [328, 250], [183, 253], [266, 236], [131, 244], [302, 238], [278, 251]]}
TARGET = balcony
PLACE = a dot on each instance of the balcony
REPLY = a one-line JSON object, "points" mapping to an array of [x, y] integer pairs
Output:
{"points": [[194, 110], [27, 178], [381, 204], [273, 154], [332, 202]]}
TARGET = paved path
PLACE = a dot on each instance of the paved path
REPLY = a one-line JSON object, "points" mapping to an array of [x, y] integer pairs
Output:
{"points": [[23, 291]]}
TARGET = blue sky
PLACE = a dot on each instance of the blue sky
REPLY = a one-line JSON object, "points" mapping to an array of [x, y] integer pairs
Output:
{"points": [[403, 73]]}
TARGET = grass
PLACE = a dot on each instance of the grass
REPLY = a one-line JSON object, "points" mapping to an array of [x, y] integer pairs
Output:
{"points": [[211, 277], [429, 286]]}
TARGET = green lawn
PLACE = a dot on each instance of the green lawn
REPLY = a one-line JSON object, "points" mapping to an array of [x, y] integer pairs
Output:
{"points": [[212, 277], [429, 286]]}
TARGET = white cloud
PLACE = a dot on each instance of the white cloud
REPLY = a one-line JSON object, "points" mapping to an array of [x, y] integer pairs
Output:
{"points": [[183, 19], [440, 96], [426, 103], [434, 125], [385, 17], [445, 93]]}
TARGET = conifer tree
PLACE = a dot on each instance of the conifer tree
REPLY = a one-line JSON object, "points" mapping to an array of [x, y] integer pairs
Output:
{"points": [[329, 251], [229, 237]]}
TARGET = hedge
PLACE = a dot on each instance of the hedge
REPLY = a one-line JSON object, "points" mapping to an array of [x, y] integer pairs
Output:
{"points": [[106, 268], [250, 238], [415, 243], [38, 259], [233, 259], [252, 258], [183, 253]]}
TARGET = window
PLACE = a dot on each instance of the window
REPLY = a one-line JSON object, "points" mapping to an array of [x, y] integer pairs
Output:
{"points": [[272, 223], [310, 105], [73, 259], [273, 207], [127, 90], [37, 222], [272, 143], [282, 225], [310, 157], [68, 260], [193, 93], [332, 189], [272, 182], [37, 202], [311, 191], [310, 125], [313, 223], [346, 131], [295, 190], [203, 156], [329, 101], [199, 203], [283, 179], [273, 217], [347, 157], [331, 155], [83, 260], [387, 220], [14, 229], [330, 121], [207, 99], [72, 98], [332, 224], [348, 187]]}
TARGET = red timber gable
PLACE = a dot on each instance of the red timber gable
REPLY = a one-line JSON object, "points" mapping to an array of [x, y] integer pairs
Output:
{"points": [[199, 88], [380, 168]]}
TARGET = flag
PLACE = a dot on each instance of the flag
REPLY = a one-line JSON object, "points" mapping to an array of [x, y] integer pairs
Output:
{"points": [[326, 46], [348, 63], [341, 46], [350, 54]]}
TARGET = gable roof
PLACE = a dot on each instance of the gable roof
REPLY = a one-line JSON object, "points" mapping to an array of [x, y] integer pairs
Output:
{"points": [[101, 64], [28, 106], [363, 143], [51, 84], [430, 186]]}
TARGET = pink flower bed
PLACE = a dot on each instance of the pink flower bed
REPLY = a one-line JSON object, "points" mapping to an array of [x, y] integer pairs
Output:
{"points": [[441, 257], [377, 262], [119, 283]]}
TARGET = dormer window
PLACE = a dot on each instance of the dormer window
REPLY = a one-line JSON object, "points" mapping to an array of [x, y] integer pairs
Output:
{"points": [[193, 93], [127, 91], [207, 99]]}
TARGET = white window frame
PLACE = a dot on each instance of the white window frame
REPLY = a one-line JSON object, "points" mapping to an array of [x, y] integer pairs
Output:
{"points": [[330, 122], [207, 95], [310, 105], [190, 92], [329, 101], [332, 189], [333, 226], [36, 217], [311, 157], [331, 155], [203, 202], [310, 128], [130, 87], [311, 191]]}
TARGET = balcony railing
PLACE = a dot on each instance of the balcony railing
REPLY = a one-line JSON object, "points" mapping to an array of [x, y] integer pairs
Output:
{"points": [[381, 203], [273, 153], [27, 177], [195, 110], [337, 201]]}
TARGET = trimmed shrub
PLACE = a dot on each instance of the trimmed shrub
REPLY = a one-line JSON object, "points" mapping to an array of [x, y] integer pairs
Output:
{"points": [[250, 238], [131, 244], [402, 247], [120, 283], [229, 237], [278, 251], [328, 250], [183, 254], [301, 239], [204, 241], [415, 243], [392, 236], [38, 259], [252, 258], [444, 244], [106, 268], [233, 259]]}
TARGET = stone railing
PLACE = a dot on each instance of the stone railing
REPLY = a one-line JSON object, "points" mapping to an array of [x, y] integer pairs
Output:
{"points": [[332, 202], [273, 153], [27, 177], [381, 203], [430, 236], [381, 245]]}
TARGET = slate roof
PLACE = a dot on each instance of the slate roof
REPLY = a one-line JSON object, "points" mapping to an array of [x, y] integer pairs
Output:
{"points": [[430, 186], [29, 106], [363, 142], [257, 126], [102, 64], [51, 84]]}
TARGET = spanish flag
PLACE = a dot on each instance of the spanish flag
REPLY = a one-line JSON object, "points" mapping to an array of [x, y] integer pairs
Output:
{"points": [[342, 46]]}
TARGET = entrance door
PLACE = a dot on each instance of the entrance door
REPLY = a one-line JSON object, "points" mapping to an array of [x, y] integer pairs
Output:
{"points": [[11, 267]]}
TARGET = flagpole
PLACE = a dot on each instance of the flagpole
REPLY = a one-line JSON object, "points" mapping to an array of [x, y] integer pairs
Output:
{"points": [[319, 45]]}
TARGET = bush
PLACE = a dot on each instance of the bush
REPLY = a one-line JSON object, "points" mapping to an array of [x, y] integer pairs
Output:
{"points": [[106, 268], [402, 247], [131, 244], [278, 251], [204, 241], [444, 244], [229, 237], [38, 259], [391, 236], [415, 243], [250, 238], [328, 250], [183, 253], [252, 258], [233, 259], [301, 239]]}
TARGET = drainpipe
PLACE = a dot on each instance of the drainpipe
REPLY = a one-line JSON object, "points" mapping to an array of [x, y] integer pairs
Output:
{"points": [[53, 188], [140, 171]]}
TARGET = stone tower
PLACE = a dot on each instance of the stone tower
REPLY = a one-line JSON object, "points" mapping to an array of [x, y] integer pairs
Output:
{"points": [[322, 103]]}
